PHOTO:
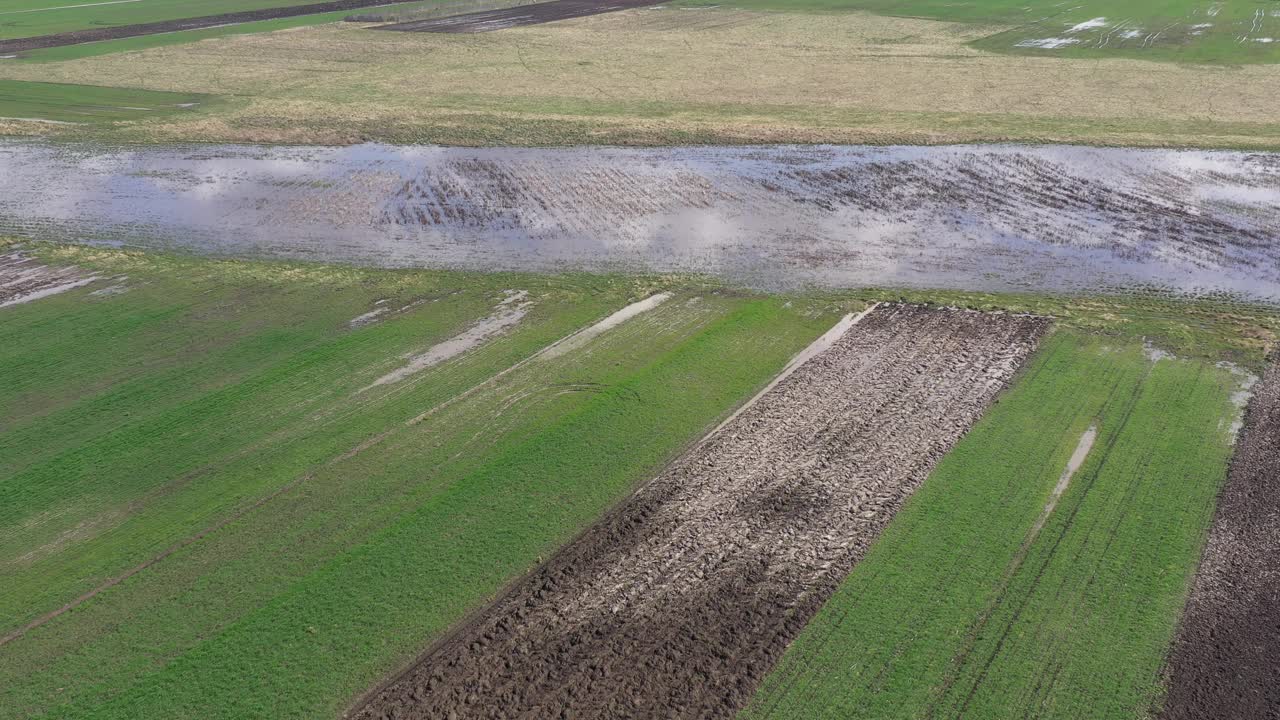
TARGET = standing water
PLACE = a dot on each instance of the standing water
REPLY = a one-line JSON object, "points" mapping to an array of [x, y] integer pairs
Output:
{"points": [[1053, 218]]}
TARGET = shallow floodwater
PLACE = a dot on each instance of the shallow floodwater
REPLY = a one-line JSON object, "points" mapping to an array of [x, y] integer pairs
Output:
{"points": [[970, 217]]}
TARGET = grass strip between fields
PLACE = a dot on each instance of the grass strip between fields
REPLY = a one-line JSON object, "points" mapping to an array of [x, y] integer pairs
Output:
{"points": [[57, 102], [963, 610]]}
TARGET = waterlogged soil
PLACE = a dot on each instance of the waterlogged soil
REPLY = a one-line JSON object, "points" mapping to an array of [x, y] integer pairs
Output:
{"points": [[997, 218], [1225, 660], [24, 279], [507, 315], [678, 602], [534, 14]]}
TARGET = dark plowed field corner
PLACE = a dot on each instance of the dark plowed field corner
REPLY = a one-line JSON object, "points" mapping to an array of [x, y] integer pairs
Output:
{"points": [[1225, 660]]}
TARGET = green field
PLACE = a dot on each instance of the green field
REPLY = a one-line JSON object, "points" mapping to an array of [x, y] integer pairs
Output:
{"points": [[965, 608], [1201, 31], [283, 535], [142, 42], [90, 104], [31, 18], [145, 417], [1191, 31]]}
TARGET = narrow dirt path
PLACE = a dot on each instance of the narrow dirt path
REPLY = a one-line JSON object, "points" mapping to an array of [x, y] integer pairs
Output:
{"points": [[678, 602], [1225, 659]]}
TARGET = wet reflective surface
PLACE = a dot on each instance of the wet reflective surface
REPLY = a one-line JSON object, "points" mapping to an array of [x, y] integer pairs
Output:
{"points": [[969, 217]]}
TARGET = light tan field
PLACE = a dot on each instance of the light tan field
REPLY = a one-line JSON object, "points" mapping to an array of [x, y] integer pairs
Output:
{"points": [[672, 75]]}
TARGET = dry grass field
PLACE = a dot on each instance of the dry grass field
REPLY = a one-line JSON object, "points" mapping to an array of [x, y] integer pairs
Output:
{"points": [[675, 74]]}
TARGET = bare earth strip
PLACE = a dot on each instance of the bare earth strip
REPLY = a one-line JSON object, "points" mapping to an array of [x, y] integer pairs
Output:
{"points": [[1225, 660], [678, 602], [504, 18]]}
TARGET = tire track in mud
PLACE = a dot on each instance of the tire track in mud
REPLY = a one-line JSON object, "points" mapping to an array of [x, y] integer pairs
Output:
{"points": [[1225, 658], [678, 602]]}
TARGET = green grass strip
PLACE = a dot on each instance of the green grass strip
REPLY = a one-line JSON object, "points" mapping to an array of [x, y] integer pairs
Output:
{"points": [[61, 102]]}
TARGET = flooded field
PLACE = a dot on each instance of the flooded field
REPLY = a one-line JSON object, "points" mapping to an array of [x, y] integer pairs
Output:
{"points": [[1053, 218]]}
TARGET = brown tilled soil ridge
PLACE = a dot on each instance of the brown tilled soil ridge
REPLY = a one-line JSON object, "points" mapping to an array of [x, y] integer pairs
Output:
{"points": [[678, 602], [1225, 659]]}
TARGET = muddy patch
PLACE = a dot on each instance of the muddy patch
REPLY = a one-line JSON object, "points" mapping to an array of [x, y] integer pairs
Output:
{"points": [[23, 279], [535, 14], [677, 603], [992, 218], [1225, 659]]}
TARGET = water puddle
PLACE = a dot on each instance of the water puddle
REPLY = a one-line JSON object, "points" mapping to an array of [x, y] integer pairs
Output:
{"points": [[994, 218], [509, 312], [585, 335], [1073, 464], [24, 280]]}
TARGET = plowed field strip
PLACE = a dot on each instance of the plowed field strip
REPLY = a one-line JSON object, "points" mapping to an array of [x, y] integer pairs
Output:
{"points": [[76, 37], [677, 603], [1226, 657], [974, 604], [534, 14]]}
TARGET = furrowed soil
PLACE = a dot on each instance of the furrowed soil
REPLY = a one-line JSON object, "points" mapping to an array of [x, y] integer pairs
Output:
{"points": [[535, 14], [678, 602], [1225, 660]]}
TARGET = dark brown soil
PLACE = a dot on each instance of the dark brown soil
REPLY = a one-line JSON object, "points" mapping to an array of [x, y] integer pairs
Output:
{"points": [[677, 603], [19, 45], [1225, 660], [535, 14]]}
